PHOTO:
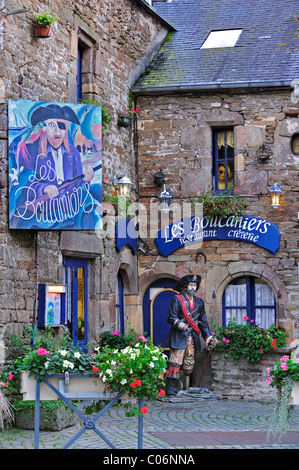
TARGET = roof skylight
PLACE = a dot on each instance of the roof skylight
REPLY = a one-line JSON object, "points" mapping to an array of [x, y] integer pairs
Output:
{"points": [[223, 38]]}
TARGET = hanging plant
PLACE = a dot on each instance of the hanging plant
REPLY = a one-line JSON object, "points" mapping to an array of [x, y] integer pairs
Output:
{"points": [[221, 204], [282, 376], [44, 23]]}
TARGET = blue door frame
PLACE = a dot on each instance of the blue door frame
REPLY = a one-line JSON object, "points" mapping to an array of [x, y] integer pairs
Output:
{"points": [[120, 304], [155, 312], [76, 279]]}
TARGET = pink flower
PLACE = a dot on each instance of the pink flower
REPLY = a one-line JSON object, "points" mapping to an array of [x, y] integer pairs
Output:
{"points": [[246, 318], [42, 351], [10, 376], [285, 358], [268, 382], [115, 333], [143, 338]]}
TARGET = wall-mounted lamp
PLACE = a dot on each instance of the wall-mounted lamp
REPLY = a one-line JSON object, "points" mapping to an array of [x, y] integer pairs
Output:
{"points": [[124, 185], [165, 198], [275, 193], [159, 177]]}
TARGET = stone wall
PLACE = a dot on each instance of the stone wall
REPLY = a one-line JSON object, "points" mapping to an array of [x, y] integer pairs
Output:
{"points": [[242, 379], [118, 38], [174, 134]]}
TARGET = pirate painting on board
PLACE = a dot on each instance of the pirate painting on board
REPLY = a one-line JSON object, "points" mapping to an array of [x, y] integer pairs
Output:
{"points": [[188, 319]]}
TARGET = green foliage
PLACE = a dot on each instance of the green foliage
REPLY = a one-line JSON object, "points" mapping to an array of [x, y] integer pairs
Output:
{"points": [[45, 19], [106, 113], [284, 370], [248, 340], [125, 362], [116, 340], [138, 369], [222, 204], [124, 206]]}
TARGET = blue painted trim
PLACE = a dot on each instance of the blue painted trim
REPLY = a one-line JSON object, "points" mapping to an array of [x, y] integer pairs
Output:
{"points": [[250, 301], [76, 263], [126, 235]]}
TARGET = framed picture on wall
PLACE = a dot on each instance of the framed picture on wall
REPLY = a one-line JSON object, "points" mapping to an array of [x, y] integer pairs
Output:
{"points": [[55, 166]]}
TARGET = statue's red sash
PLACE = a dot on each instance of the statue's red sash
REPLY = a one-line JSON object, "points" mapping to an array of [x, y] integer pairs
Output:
{"points": [[188, 318]]}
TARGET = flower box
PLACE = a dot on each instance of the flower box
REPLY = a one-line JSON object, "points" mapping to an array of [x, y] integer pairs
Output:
{"points": [[295, 394], [78, 388]]}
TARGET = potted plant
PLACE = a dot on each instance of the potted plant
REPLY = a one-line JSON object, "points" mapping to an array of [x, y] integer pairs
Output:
{"points": [[284, 377], [236, 340], [44, 23], [221, 204], [125, 119], [138, 369], [117, 204]]}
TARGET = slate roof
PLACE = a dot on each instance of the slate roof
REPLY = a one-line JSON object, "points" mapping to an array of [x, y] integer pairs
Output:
{"points": [[266, 54]]}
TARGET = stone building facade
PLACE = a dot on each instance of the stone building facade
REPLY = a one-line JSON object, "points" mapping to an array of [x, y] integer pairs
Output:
{"points": [[174, 132], [115, 41]]}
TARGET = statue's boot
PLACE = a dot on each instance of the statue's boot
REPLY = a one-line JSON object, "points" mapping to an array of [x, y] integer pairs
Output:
{"points": [[173, 375]]}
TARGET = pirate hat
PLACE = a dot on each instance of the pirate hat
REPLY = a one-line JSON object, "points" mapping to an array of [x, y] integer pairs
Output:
{"points": [[53, 111], [186, 279]]}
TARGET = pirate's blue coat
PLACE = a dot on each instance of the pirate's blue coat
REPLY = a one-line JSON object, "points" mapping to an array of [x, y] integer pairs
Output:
{"points": [[177, 339]]}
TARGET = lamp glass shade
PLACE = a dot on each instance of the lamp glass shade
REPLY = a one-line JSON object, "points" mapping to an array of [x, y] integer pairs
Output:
{"points": [[124, 186], [275, 192], [165, 198]]}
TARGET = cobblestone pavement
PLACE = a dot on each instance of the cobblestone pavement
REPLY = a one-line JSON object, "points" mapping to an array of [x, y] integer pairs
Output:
{"points": [[207, 424]]}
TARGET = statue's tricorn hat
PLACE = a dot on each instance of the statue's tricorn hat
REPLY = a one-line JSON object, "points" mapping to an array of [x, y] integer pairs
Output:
{"points": [[186, 279], [53, 111]]}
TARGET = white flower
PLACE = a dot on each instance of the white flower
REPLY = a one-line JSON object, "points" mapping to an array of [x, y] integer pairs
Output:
{"points": [[133, 356], [131, 371], [124, 381], [77, 354], [151, 364], [47, 364], [67, 364], [113, 363], [104, 378], [63, 352], [115, 351], [109, 372]]}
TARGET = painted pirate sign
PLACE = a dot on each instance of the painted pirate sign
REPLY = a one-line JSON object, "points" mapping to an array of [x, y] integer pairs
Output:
{"points": [[55, 166]]}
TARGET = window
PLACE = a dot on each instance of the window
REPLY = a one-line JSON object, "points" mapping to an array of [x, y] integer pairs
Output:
{"points": [[295, 144], [79, 72], [224, 38], [223, 158], [249, 297], [76, 285], [119, 305]]}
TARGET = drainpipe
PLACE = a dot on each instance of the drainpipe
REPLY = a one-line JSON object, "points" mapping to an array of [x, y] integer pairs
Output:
{"points": [[211, 86]]}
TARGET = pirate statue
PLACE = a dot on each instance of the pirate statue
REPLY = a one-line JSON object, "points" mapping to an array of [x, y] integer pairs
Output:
{"points": [[188, 319]]}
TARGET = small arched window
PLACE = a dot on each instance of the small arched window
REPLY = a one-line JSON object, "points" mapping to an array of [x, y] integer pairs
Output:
{"points": [[251, 298]]}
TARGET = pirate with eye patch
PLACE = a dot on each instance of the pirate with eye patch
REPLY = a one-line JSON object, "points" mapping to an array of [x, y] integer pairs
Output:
{"points": [[48, 152]]}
